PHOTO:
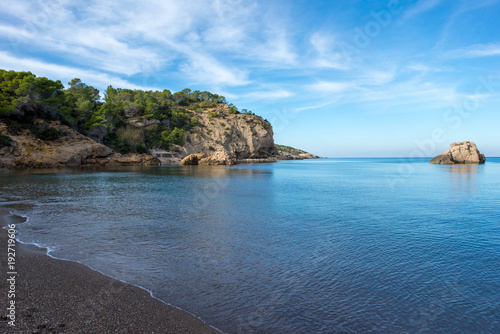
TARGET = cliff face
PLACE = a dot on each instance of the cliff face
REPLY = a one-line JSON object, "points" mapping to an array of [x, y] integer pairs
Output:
{"points": [[70, 149], [246, 136]]}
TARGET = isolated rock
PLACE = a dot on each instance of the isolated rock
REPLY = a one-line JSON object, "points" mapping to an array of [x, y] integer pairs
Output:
{"points": [[221, 157], [460, 153]]}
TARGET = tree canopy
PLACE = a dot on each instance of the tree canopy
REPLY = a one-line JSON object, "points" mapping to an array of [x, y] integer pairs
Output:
{"points": [[24, 96]]}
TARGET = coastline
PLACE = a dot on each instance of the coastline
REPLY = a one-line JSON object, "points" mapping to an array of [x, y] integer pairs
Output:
{"points": [[61, 296]]}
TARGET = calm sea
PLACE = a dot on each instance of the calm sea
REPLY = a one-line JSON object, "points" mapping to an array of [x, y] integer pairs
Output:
{"points": [[314, 246]]}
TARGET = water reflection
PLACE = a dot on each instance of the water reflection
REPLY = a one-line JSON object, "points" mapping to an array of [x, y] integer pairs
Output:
{"points": [[463, 178]]}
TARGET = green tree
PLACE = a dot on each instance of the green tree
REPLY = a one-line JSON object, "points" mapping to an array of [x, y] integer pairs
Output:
{"points": [[23, 95], [176, 136], [81, 103]]}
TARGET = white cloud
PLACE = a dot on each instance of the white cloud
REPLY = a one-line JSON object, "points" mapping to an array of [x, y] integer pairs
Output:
{"points": [[476, 51], [203, 68], [330, 86], [15, 33], [420, 7], [325, 56], [412, 93], [376, 78], [65, 73], [418, 67], [199, 37], [317, 106], [270, 94]]}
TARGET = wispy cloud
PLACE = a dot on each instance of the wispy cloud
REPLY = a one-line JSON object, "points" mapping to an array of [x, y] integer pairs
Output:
{"points": [[127, 37], [318, 106], [66, 73], [272, 94], [376, 77], [475, 51], [420, 7], [325, 55], [419, 67], [329, 87]]}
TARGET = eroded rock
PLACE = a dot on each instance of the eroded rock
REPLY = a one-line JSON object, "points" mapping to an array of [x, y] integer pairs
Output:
{"points": [[460, 153]]}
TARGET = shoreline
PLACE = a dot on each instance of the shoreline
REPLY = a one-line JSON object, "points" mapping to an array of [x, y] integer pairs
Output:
{"points": [[63, 296]]}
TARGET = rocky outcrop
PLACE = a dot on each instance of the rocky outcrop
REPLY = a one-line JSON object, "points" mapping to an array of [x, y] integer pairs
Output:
{"points": [[246, 136], [223, 137], [69, 149], [290, 153], [300, 156], [133, 160], [221, 157], [460, 153], [192, 159]]}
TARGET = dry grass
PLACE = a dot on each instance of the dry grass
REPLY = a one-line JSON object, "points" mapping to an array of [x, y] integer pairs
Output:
{"points": [[132, 135]]}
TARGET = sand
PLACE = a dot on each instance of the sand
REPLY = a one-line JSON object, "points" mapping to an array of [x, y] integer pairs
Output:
{"points": [[57, 296]]}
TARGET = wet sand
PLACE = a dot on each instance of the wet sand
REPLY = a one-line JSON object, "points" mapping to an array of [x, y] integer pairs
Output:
{"points": [[57, 296]]}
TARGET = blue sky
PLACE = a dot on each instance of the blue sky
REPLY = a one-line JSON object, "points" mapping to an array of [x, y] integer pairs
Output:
{"points": [[336, 78]]}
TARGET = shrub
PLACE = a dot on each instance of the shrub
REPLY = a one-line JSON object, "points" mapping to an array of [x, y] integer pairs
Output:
{"points": [[176, 136], [121, 146], [45, 132], [133, 137], [17, 128], [5, 141], [141, 149]]}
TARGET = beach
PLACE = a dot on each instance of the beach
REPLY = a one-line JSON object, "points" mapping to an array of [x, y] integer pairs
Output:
{"points": [[57, 296]]}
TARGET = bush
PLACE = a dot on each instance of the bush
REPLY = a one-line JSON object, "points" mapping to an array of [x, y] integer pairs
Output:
{"points": [[121, 146], [130, 139], [17, 128], [45, 132], [176, 136], [141, 149], [5, 141]]}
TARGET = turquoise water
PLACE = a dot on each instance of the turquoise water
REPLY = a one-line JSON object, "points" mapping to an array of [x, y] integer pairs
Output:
{"points": [[314, 246]]}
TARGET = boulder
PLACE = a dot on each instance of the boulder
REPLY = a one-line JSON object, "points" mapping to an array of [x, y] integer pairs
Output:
{"points": [[190, 160], [460, 153], [221, 157]]}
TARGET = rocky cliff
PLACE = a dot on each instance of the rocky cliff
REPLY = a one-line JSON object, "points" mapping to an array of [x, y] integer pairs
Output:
{"points": [[244, 135], [217, 137], [460, 153], [45, 124], [69, 149]]}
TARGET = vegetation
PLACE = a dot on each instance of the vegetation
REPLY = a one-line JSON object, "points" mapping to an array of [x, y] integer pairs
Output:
{"points": [[5, 141], [282, 149], [24, 97]]}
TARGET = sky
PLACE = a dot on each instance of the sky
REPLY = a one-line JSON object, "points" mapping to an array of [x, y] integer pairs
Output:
{"points": [[336, 78]]}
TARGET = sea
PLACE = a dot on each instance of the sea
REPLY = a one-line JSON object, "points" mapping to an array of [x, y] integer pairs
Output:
{"points": [[382, 245]]}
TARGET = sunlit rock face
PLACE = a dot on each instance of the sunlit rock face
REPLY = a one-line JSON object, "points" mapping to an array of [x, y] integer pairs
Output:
{"points": [[460, 153]]}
